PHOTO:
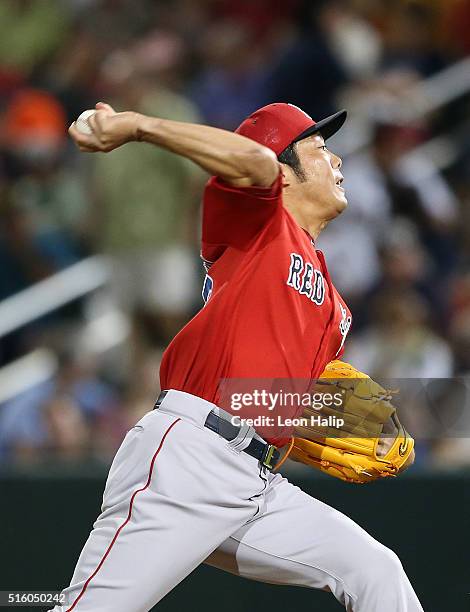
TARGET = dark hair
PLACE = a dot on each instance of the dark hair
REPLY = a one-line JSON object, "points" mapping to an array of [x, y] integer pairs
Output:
{"points": [[290, 157]]}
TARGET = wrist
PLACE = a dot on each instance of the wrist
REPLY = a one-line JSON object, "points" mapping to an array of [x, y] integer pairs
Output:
{"points": [[144, 127], [136, 127]]}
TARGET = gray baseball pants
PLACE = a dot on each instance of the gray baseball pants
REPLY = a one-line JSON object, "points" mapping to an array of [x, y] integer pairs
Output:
{"points": [[178, 495]]}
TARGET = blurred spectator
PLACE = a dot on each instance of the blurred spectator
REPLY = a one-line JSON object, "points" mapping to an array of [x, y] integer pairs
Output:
{"points": [[66, 429], [232, 75], [114, 22], [148, 198], [352, 39], [460, 322], [56, 417], [308, 73], [73, 72], [263, 17], [410, 38], [139, 397], [45, 197], [399, 343], [30, 31], [384, 184], [456, 26]]}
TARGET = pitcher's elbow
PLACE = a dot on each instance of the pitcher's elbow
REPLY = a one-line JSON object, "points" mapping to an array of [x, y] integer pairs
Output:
{"points": [[260, 166]]}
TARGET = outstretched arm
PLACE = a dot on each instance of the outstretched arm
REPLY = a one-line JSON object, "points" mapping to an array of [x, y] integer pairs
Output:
{"points": [[236, 159]]}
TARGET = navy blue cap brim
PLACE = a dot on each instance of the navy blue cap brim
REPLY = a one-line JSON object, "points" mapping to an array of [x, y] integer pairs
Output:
{"points": [[326, 127]]}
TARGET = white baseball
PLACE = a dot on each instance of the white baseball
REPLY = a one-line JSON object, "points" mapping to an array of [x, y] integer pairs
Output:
{"points": [[82, 124]]}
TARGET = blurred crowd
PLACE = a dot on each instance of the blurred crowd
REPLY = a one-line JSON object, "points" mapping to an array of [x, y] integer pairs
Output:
{"points": [[399, 254]]}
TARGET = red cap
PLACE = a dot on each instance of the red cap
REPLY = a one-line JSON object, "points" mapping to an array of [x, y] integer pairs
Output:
{"points": [[278, 125]]}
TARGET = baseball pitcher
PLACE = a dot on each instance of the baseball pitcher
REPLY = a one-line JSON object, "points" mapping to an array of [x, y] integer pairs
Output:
{"points": [[191, 484]]}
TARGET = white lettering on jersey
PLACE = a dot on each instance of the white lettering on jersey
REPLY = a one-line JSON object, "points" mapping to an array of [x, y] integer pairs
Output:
{"points": [[305, 279], [344, 327], [295, 270]]}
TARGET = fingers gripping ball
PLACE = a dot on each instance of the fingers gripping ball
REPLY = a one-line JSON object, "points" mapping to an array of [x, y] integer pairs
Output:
{"points": [[82, 124]]}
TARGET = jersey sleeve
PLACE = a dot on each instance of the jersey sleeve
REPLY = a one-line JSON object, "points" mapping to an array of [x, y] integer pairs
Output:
{"points": [[233, 216]]}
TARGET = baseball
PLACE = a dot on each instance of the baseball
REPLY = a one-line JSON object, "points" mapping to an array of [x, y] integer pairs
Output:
{"points": [[81, 122]]}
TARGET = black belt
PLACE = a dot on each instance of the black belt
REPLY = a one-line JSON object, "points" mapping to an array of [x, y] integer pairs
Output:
{"points": [[267, 454]]}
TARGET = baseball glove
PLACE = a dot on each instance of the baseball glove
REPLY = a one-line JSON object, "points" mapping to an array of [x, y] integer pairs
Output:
{"points": [[364, 440]]}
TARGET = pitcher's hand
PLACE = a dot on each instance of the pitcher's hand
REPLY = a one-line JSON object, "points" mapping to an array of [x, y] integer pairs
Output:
{"points": [[109, 130]]}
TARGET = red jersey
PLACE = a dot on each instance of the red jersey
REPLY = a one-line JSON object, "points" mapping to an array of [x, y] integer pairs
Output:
{"points": [[271, 310]]}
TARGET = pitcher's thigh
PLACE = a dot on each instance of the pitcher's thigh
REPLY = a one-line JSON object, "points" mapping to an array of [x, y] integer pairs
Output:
{"points": [[299, 540]]}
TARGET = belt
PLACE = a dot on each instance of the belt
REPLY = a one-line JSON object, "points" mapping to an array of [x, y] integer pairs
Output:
{"points": [[267, 454]]}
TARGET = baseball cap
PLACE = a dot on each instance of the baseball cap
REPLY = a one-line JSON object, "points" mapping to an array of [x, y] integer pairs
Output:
{"points": [[278, 125]]}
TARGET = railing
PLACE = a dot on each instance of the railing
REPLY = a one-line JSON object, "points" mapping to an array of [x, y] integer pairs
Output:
{"points": [[28, 371], [52, 293], [99, 334]]}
